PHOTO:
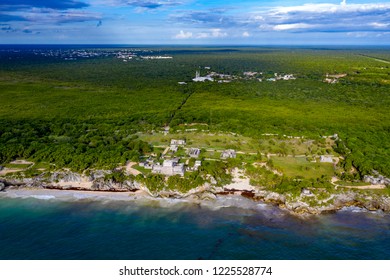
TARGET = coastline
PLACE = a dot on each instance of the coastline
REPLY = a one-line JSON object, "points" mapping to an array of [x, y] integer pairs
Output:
{"points": [[208, 195]]}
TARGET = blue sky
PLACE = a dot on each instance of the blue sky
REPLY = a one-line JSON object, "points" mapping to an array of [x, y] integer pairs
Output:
{"points": [[326, 22]]}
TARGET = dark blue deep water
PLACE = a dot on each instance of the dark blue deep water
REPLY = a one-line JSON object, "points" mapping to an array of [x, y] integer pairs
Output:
{"points": [[33, 228]]}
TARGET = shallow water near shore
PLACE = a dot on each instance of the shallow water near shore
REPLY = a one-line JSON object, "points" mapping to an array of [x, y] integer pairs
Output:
{"points": [[77, 226]]}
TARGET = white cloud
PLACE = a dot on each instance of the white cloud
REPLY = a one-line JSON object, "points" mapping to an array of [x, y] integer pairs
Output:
{"points": [[358, 34], [183, 35], [283, 27], [328, 8], [246, 34], [212, 33], [324, 17], [379, 25], [217, 33]]}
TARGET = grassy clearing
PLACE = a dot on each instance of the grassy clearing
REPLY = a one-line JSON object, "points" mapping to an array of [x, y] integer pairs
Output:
{"points": [[300, 167], [213, 141]]}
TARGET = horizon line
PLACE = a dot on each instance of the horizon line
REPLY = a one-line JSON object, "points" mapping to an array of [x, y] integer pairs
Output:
{"points": [[195, 45]]}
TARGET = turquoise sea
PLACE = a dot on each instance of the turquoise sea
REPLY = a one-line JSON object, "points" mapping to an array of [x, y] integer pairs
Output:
{"points": [[43, 227]]}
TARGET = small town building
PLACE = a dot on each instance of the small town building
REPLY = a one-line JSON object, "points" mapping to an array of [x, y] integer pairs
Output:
{"points": [[228, 154], [173, 148], [250, 74], [194, 152], [199, 78], [157, 168], [169, 167], [326, 159], [178, 169], [179, 142], [197, 164]]}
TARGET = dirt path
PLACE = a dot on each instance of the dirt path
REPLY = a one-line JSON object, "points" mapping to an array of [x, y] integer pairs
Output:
{"points": [[166, 151], [131, 170], [21, 161], [5, 171], [367, 187], [376, 59]]}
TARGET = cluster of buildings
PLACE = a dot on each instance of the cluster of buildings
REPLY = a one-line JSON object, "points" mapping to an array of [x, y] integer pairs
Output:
{"points": [[124, 54], [213, 76], [129, 54], [333, 79], [277, 77], [199, 78], [174, 165], [175, 144], [169, 167], [156, 57], [72, 54], [249, 75]]}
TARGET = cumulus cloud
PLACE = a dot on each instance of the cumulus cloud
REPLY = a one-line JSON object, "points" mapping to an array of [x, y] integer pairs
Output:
{"points": [[335, 9], [207, 34], [183, 35], [246, 34], [325, 17], [310, 17], [292, 26], [379, 25], [213, 33]]}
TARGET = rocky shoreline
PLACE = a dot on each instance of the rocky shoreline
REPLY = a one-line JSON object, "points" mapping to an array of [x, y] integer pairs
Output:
{"points": [[294, 205]]}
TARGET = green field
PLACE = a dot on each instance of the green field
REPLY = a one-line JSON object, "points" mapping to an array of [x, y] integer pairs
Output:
{"points": [[301, 167], [100, 112]]}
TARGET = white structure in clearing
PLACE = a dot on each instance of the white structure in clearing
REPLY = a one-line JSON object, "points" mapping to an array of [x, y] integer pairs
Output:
{"points": [[198, 78], [228, 154], [194, 152], [326, 159], [179, 142], [169, 167], [198, 164], [175, 144]]}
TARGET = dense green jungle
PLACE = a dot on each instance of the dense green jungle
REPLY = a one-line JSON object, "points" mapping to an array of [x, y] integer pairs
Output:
{"points": [[87, 113]]}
